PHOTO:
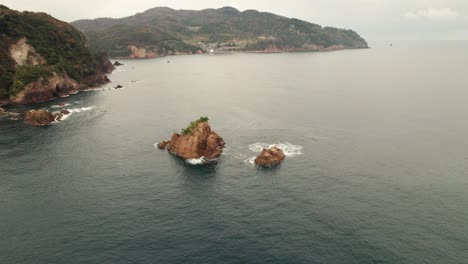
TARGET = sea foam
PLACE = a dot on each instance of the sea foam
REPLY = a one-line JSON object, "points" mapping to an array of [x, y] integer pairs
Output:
{"points": [[76, 110], [60, 106], [82, 109], [199, 161]]}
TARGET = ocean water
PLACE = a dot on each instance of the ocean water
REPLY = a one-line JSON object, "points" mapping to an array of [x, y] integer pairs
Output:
{"points": [[377, 166]]}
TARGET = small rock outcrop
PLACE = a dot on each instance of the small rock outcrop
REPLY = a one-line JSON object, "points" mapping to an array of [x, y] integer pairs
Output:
{"points": [[270, 157], [196, 141], [2, 112], [163, 144], [118, 87], [39, 117], [117, 63], [61, 114], [43, 117]]}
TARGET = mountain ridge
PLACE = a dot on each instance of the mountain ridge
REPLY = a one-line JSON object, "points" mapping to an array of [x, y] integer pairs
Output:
{"points": [[220, 30]]}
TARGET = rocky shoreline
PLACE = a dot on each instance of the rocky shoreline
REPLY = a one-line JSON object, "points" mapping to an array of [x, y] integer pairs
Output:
{"points": [[42, 58], [58, 86]]}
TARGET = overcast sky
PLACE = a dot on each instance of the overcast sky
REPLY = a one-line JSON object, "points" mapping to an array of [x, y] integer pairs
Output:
{"points": [[373, 19]]}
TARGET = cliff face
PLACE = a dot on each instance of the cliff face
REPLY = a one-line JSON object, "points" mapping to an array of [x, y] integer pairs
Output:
{"points": [[42, 58], [164, 31], [200, 142]]}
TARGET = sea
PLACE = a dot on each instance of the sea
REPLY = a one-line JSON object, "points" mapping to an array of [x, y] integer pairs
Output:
{"points": [[376, 168]]}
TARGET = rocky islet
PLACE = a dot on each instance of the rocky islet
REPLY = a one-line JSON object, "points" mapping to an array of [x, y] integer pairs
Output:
{"points": [[196, 142]]}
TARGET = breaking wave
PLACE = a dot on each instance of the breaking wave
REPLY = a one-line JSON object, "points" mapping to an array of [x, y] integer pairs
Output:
{"points": [[199, 161], [82, 109], [60, 106], [76, 110], [92, 89], [250, 160]]}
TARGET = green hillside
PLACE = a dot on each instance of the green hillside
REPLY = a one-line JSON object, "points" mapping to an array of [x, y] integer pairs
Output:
{"points": [[163, 30], [59, 46]]}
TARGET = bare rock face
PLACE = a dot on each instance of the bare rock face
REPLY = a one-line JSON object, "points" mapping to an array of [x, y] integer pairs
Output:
{"points": [[39, 117], [2, 112], [104, 65], [200, 142], [214, 146], [174, 138], [141, 53], [24, 54], [270, 157], [38, 91]]}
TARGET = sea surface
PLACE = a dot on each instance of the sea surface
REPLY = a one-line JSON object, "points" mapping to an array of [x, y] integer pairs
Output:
{"points": [[377, 166]]}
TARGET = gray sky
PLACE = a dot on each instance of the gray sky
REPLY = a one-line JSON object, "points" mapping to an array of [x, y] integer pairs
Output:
{"points": [[373, 19]]}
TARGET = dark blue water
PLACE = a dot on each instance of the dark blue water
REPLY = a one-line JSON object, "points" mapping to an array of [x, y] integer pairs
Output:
{"points": [[377, 172]]}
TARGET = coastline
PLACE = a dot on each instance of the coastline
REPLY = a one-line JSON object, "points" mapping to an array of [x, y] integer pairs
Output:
{"points": [[268, 51], [35, 93]]}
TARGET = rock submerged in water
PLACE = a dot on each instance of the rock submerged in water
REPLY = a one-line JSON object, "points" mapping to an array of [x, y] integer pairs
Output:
{"points": [[270, 157], [197, 141], [39, 117], [163, 144], [117, 63], [61, 114]]}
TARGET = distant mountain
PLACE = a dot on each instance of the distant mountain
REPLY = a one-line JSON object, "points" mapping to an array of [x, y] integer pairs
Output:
{"points": [[42, 58], [164, 31]]}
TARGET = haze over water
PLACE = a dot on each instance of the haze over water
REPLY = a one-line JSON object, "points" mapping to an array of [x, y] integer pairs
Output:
{"points": [[377, 171]]}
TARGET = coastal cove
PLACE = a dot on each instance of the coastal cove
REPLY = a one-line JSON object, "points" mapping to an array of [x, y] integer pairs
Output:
{"points": [[375, 167]]}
